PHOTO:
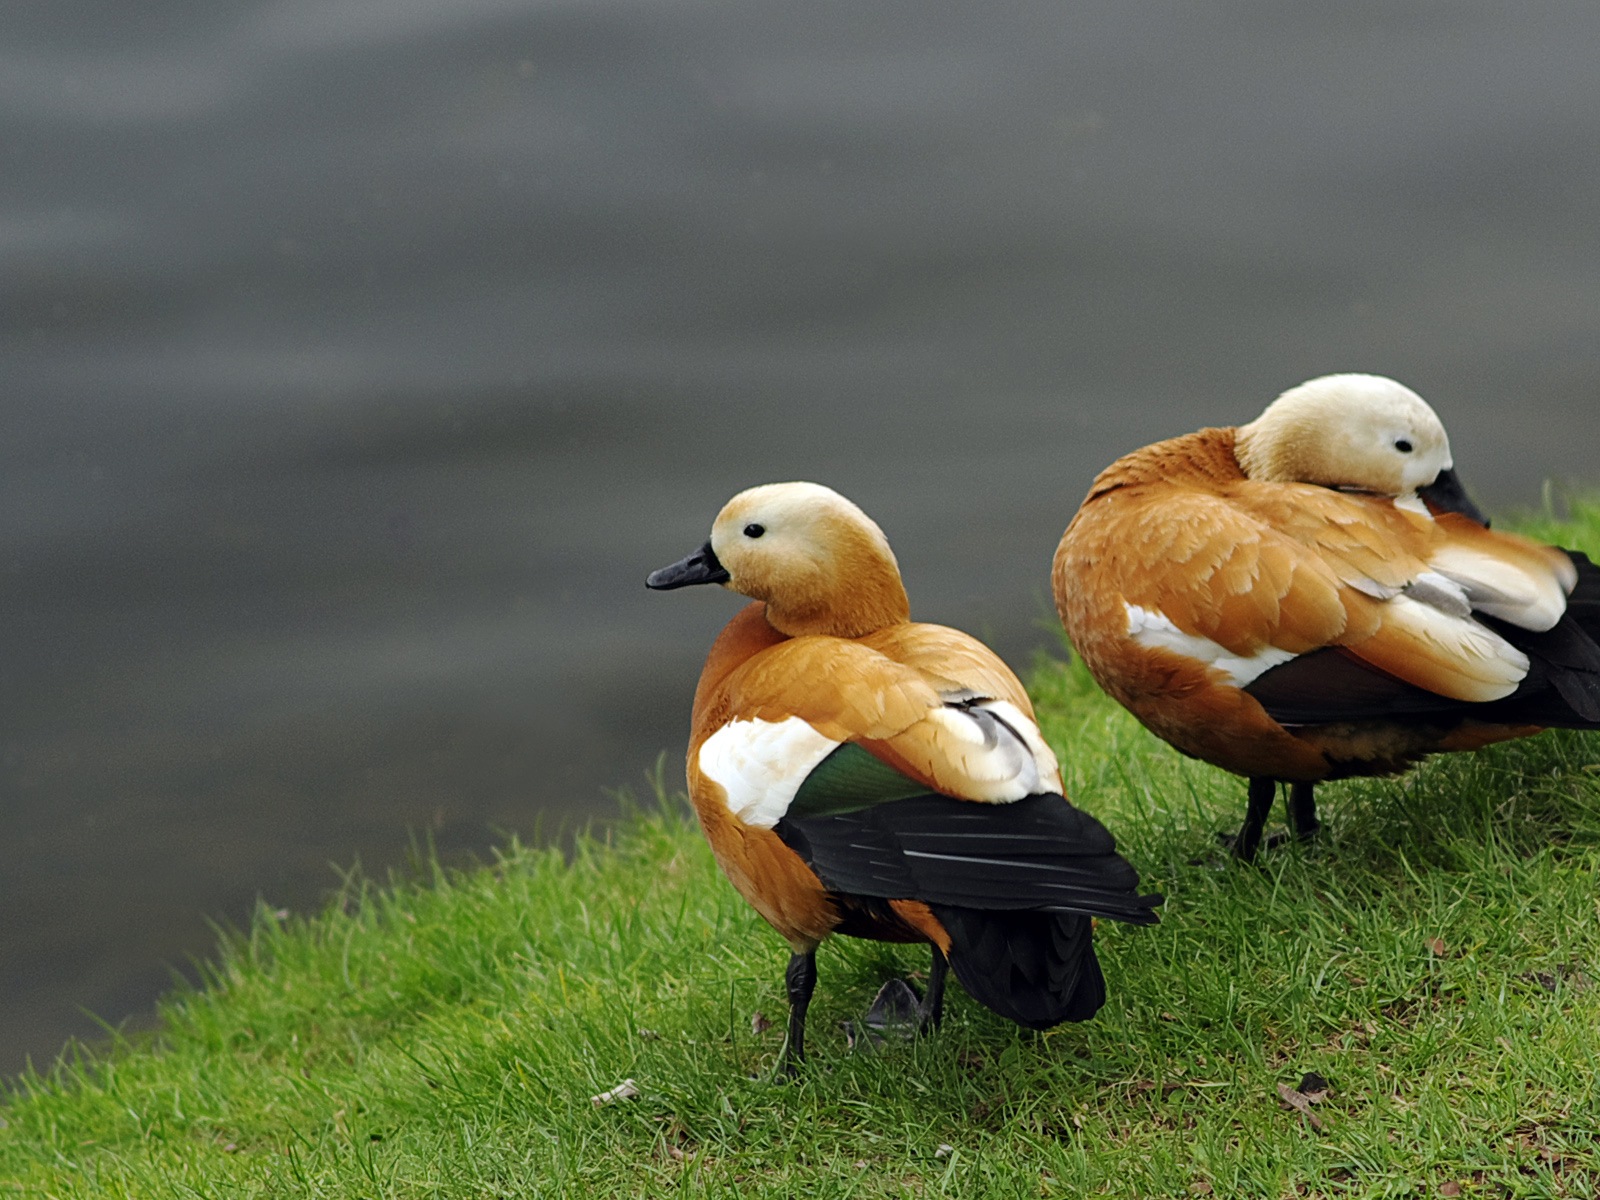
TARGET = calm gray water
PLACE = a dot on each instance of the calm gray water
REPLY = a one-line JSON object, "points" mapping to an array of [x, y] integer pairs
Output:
{"points": [[360, 357]]}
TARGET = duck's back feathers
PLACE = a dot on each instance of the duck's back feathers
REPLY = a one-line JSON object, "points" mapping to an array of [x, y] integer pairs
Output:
{"points": [[1559, 685], [930, 702], [955, 665]]}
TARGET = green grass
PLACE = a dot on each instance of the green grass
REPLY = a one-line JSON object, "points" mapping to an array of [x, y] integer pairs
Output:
{"points": [[1432, 958]]}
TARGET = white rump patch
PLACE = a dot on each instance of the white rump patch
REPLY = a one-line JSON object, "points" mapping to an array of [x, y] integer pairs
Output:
{"points": [[761, 765], [1506, 590], [1156, 631], [998, 751]]}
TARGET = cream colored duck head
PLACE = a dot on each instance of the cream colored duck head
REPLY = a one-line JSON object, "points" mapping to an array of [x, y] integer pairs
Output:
{"points": [[820, 564], [1360, 433]]}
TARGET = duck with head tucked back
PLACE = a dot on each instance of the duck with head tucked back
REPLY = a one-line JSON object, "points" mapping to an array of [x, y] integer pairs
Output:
{"points": [[1313, 596], [859, 773]]}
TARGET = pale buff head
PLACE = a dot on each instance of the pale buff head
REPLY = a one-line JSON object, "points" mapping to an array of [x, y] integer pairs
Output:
{"points": [[819, 563], [1362, 432]]}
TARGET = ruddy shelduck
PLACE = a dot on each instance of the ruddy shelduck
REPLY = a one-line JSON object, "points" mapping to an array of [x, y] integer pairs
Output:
{"points": [[1313, 596], [859, 773]]}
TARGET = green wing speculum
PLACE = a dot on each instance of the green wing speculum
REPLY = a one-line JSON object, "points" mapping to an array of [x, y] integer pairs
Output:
{"points": [[850, 779]]}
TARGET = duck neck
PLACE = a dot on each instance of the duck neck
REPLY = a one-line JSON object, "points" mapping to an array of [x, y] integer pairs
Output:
{"points": [[854, 608]]}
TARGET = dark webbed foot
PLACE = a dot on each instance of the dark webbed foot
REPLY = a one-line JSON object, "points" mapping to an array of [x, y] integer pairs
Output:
{"points": [[895, 1009], [899, 1012], [1230, 841]]}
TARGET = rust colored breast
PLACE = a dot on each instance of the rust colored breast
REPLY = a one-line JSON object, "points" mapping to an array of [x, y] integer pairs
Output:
{"points": [[771, 877]]}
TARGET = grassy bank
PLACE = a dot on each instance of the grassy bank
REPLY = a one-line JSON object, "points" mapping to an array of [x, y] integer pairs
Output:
{"points": [[1436, 959]]}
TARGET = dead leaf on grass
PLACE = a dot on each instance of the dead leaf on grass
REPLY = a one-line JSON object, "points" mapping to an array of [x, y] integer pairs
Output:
{"points": [[1437, 948], [1452, 1188], [626, 1090], [759, 1022], [1298, 1101]]}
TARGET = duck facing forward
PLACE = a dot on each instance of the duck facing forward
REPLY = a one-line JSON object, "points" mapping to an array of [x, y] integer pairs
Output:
{"points": [[1313, 596], [862, 774]]}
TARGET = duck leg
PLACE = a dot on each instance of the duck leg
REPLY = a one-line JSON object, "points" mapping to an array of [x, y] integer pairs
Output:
{"points": [[1303, 811], [931, 1011], [801, 979], [1262, 789]]}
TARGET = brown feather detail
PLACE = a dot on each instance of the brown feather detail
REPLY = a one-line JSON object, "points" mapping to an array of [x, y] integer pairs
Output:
{"points": [[1474, 735], [958, 667], [1445, 656], [951, 661], [844, 689], [740, 640], [1177, 700], [1525, 554], [917, 915]]}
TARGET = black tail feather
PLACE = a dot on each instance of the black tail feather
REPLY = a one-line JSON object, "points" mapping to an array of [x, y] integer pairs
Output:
{"points": [[1037, 969]]}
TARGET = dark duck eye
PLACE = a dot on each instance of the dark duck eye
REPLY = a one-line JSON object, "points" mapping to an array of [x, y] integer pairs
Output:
{"points": [[753, 530], [1401, 444]]}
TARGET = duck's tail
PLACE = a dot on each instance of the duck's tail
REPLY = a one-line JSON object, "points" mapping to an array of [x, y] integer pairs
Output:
{"points": [[1562, 688], [1035, 968]]}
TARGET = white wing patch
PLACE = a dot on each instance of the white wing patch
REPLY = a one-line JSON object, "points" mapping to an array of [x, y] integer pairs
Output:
{"points": [[997, 750], [1505, 590], [761, 765], [1155, 630]]}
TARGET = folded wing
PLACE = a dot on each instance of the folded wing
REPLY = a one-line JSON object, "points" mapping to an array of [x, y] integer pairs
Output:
{"points": [[1329, 606]]}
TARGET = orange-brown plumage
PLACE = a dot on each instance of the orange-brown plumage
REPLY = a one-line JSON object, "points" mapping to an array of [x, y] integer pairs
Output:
{"points": [[826, 664], [862, 691], [1195, 573]]}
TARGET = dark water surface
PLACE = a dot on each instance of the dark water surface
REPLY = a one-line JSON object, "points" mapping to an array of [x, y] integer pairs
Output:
{"points": [[360, 357]]}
